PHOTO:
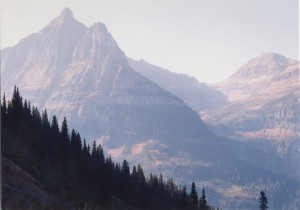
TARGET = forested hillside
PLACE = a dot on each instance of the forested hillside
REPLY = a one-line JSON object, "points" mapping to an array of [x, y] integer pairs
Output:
{"points": [[78, 174]]}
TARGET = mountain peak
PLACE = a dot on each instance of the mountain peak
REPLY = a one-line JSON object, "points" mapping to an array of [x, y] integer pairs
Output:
{"points": [[98, 27], [65, 16], [264, 66], [66, 13], [271, 57]]}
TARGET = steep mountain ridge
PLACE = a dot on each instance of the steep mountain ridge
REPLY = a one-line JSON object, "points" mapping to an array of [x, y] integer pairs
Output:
{"points": [[96, 89], [198, 96], [37, 61]]}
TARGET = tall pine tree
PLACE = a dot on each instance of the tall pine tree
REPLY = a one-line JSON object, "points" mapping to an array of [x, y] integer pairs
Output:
{"points": [[65, 139], [194, 197], [202, 201], [125, 179], [3, 110], [45, 121], [54, 125], [263, 201], [184, 198]]}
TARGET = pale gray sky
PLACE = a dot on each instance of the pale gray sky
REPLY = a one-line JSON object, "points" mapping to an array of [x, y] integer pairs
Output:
{"points": [[208, 39]]}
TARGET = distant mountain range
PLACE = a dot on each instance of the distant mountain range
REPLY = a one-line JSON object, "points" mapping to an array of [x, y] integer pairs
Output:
{"points": [[81, 73], [260, 101]]}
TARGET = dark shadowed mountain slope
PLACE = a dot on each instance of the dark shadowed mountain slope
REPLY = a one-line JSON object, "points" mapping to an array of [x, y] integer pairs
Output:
{"points": [[22, 191]]}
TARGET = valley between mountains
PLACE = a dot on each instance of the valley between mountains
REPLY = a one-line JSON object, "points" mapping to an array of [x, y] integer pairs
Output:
{"points": [[233, 138]]}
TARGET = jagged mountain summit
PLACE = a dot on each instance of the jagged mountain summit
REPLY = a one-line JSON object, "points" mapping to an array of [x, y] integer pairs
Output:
{"points": [[37, 62], [81, 73]]}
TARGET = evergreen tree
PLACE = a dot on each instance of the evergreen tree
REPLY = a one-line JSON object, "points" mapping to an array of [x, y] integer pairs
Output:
{"points": [[73, 139], [94, 163], [202, 201], [184, 198], [85, 166], [36, 117], [170, 186], [263, 201], [65, 131], [9, 110], [3, 107], [100, 155], [113, 174], [78, 143], [54, 125], [16, 101], [141, 176], [3, 110], [46, 140], [125, 180], [27, 112], [154, 182], [134, 174], [74, 155], [65, 139], [45, 121], [54, 143], [160, 182], [36, 122], [16, 107], [194, 196], [141, 186], [125, 171], [134, 185]]}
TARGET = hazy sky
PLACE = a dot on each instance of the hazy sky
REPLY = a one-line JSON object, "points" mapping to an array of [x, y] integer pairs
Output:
{"points": [[208, 39]]}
